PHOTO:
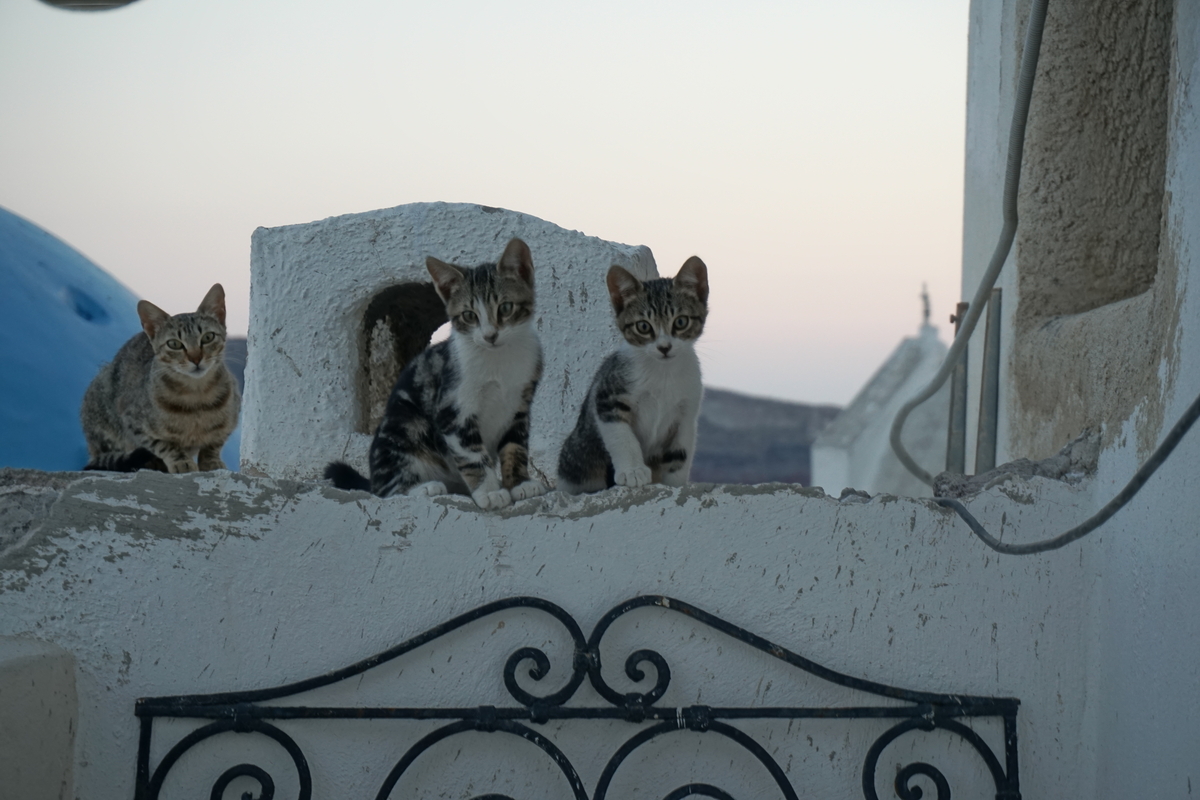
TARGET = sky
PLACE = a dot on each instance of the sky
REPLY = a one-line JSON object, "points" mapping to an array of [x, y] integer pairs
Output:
{"points": [[810, 152]]}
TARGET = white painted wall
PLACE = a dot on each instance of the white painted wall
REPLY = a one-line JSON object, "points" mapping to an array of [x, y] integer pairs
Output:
{"points": [[1139, 585], [1147, 725], [311, 283], [163, 584]]}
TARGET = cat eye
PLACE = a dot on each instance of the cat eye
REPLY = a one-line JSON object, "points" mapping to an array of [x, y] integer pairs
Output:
{"points": [[682, 322], [174, 344], [208, 337], [469, 317], [644, 327], [505, 309]]}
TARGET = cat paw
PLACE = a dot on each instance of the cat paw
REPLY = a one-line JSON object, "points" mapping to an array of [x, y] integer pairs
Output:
{"points": [[528, 489], [176, 467], [430, 489], [207, 464], [494, 499], [636, 476]]}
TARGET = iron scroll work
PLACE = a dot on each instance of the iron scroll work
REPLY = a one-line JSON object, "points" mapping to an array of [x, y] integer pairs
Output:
{"points": [[240, 712]]}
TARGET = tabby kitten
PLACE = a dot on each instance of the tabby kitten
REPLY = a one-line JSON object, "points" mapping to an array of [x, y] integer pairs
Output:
{"points": [[638, 421], [458, 417], [166, 401]]}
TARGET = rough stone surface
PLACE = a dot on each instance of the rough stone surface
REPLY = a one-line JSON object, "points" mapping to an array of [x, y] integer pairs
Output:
{"points": [[1096, 263], [25, 499], [312, 284], [1095, 157], [1075, 462]]}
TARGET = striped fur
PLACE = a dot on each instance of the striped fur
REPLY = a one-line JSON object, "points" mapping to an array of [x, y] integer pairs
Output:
{"points": [[458, 417], [166, 401], [637, 424]]}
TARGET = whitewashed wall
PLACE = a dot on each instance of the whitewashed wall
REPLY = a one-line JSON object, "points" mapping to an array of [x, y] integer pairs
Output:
{"points": [[311, 284], [162, 584], [1140, 589]]}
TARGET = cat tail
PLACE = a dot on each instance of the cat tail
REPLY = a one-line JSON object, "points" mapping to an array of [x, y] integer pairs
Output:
{"points": [[346, 477], [126, 462]]}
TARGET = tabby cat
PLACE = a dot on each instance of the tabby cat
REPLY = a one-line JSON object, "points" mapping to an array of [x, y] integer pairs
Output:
{"points": [[458, 417], [638, 421], [166, 401]]}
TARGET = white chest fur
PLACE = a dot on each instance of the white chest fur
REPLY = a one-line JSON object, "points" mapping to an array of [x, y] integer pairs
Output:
{"points": [[666, 397], [492, 382]]}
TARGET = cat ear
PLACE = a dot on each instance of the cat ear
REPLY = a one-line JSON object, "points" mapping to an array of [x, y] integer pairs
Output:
{"points": [[446, 277], [517, 259], [622, 287], [152, 317], [693, 276], [213, 303]]}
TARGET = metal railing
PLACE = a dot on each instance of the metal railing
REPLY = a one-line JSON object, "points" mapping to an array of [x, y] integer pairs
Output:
{"points": [[246, 712]]}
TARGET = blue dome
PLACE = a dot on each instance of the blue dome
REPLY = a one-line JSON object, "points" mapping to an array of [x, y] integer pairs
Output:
{"points": [[61, 319]]}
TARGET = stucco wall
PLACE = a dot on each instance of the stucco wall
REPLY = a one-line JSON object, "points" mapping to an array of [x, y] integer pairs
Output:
{"points": [[311, 284], [1093, 287], [163, 584]]}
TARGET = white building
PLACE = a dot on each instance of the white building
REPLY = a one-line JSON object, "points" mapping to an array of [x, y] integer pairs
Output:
{"points": [[853, 450]]}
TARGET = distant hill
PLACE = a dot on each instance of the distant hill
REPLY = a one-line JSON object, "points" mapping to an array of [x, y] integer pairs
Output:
{"points": [[742, 439], [745, 439]]}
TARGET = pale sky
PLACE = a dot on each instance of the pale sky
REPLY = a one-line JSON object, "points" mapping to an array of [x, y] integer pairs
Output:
{"points": [[810, 152]]}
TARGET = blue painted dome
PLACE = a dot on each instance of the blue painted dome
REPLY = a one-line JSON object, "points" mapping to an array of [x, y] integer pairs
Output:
{"points": [[61, 319]]}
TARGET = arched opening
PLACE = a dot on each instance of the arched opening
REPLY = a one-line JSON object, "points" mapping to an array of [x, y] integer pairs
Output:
{"points": [[398, 324]]}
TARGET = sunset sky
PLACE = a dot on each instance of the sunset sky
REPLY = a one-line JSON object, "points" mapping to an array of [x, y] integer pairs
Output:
{"points": [[811, 153]]}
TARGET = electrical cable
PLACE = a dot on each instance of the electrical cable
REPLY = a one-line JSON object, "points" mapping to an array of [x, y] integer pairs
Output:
{"points": [[1100, 517], [1012, 179]]}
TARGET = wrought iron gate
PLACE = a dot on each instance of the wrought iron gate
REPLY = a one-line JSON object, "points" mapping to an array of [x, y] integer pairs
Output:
{"points": [[245, 712]]}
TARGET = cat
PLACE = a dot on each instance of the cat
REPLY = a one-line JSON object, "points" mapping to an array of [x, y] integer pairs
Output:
{"points": [[166, 401], [458, 417], [638, 422]]}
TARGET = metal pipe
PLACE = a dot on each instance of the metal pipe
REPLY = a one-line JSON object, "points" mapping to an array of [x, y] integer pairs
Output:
{"points": [[956, 435], [989, 389]]}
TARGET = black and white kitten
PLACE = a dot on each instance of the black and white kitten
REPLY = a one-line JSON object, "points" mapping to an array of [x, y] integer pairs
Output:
{"points": [[458, 417], [638, 421]]}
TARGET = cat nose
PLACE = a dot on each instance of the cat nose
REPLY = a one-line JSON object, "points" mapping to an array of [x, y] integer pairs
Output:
{"points": [[195, 359], [664, 348], [491, 337]]}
